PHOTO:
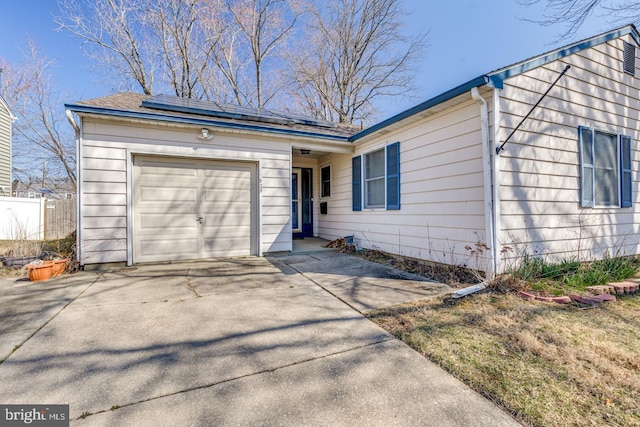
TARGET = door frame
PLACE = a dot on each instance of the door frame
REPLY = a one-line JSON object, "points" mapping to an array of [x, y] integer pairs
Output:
{"points": [[296, 191], [305, 202]]}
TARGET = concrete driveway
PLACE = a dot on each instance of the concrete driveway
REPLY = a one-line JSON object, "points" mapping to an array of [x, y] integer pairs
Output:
{"points": [[249, 341]]}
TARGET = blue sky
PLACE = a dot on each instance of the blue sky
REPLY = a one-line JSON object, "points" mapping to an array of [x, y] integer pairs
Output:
{"points": [[467, 38]]}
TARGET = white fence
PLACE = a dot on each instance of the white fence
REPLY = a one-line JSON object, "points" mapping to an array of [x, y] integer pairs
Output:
{"points": [[21, 218]]}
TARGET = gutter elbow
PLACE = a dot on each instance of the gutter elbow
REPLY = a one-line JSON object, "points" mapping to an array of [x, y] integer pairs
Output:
{"points": [[73, 123], [475, 94]]}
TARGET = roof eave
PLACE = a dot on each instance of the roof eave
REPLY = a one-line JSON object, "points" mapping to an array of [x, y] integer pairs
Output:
{"points": [[126, 114], [497, 77], [450, 94]]}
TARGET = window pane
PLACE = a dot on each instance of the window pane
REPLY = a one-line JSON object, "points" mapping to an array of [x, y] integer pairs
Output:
{"points": [[325, 181], [626, 150], [294, 186], [606, 187], [374, 167], [605, 150], [586, 145], [606, 169], [375, 192]]}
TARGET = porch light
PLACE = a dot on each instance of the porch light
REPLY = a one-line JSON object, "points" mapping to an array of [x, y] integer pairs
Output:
{"points": [[305, 152], [204, 134]]}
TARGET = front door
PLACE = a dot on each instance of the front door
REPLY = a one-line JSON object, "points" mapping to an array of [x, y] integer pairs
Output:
{"points": [[302, 202]]}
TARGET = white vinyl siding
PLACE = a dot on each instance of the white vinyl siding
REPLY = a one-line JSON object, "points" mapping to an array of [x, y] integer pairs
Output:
{"points": [[540, 169], [441, 190], [106, 153]]}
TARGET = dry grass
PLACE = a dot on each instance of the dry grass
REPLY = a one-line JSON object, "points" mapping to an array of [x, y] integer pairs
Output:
{"points": [[549, 365]]}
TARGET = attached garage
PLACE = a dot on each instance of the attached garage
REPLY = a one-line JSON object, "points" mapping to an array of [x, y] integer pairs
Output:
{"points": [[192, 209], [164, 179]]}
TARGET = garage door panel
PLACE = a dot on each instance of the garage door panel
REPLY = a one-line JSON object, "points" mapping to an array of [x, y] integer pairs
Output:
{"points": [[228, 246], [226, 172], [226, 196], [179, 247], [175, 168], [170, 221], [226, 219], [225, 231], [170, 195]]}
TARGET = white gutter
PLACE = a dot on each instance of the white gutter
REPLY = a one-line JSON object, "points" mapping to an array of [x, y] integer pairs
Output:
{"points": [[487, 149], [76, 128]]}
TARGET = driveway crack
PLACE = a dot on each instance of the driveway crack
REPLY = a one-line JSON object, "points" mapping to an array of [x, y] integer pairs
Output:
{"points": [[191, 287], [98, 277], [114, 407]]}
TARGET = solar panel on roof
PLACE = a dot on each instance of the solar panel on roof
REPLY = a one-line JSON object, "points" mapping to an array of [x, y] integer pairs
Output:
{"points": [[228, 111]]}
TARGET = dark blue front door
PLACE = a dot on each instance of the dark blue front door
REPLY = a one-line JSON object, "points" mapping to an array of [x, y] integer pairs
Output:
{"points": [[302, 202]]}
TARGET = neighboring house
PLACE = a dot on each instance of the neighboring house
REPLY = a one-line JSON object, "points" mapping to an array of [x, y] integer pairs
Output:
{"points": [[154, 185], [6, 120]]}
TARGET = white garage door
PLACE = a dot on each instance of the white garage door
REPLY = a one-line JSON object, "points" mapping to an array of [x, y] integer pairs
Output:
{"points": [[190, 209]]}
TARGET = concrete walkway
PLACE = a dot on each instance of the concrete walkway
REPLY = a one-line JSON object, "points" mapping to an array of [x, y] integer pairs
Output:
{"points": [[250, 341]]}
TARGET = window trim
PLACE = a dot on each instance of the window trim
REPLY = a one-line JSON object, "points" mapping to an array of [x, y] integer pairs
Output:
{"points": [[391, 179], [624, 176], [322, 195], [365, 181]]}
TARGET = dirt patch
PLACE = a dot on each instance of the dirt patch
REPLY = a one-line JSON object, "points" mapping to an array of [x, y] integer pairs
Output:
{"points": [[454, 276]]}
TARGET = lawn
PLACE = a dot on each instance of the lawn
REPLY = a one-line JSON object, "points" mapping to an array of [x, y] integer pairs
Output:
{"points": [[547, 364]]}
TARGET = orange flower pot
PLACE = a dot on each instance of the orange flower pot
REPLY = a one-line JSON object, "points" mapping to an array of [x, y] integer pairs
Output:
{"points": [[59, 266], [38, 273]]}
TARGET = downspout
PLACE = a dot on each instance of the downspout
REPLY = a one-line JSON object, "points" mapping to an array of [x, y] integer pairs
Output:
{"points": [[487, 150], [496, 182], [76, 128]]}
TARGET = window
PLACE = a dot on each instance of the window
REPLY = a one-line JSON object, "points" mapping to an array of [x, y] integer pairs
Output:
{"points": [[374, 180], [605, 168], [325, 181], [378, 180]]}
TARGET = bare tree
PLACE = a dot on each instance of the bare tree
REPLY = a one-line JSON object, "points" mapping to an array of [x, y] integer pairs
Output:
{"points": [[573, 13], [218, 49], [41, 133], [185, 46], [116, 34], [263, 25], [356, 53]]}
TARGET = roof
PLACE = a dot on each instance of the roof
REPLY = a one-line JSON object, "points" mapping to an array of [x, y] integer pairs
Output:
{"points": [[204, 113], [496, 78]]}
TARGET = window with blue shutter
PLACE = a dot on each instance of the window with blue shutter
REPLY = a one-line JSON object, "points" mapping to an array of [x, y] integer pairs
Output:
{"points": [[393, 176], [625, 172], [356, 183], [605, 169]]}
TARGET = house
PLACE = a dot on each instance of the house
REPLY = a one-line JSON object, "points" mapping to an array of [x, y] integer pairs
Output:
{"points": [[162, 178], [6, 120]]}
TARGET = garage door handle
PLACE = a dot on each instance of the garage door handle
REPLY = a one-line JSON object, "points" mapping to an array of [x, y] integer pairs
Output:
{"points": [[200, 219]]}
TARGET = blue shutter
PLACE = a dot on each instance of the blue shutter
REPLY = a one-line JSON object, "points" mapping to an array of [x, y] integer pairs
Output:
{"points": [[356, 183], [393, 176], [625, 171], [585, 136]]}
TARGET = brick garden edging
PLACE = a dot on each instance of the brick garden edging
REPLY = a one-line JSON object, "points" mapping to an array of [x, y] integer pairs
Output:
{"points": [[599, 294]]}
